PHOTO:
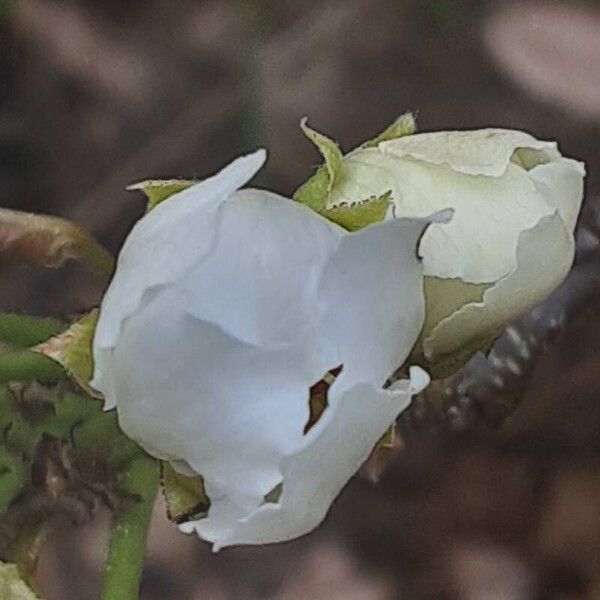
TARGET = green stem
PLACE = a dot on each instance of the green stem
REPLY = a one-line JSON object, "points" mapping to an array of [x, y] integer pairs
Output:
{"points": [[253, 110], [13, 478], [23, 365], [129, 530], [24, 331]]}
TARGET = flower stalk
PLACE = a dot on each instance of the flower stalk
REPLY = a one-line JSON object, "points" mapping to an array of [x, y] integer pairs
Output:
{"points": [[129, 530]]}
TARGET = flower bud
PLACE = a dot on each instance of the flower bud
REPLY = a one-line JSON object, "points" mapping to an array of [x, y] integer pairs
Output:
{"points": [[508, 245], [228, 309]]}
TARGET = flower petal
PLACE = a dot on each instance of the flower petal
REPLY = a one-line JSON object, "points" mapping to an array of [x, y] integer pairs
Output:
{"points": [[544, 256], [188, 391], [479, 152], [478, 244], [165, 242], [312, 478], [259, 283], [561, 183], [371, 299]]}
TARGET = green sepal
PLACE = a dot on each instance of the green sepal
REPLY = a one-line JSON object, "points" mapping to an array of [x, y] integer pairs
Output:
{"points": [[314, 192], [404, 125], [358, 216], [12, 587], [388, 439], [185, 496], [329, 150], [157, 190], [72, 349]]}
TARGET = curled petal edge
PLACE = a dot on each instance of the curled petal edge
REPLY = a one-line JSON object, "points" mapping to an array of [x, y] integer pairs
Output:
{"points": [[537, 259], [312, 478]]}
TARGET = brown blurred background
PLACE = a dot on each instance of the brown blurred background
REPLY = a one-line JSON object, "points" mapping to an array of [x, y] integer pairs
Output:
{"points": [[97, 94]]}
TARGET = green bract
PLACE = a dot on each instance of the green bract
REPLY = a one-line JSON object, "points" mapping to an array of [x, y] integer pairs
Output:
{"points": [[316, 191], [72, 349], [157, 190]]}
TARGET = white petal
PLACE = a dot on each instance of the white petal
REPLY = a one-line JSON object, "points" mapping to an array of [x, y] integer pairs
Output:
{"points": [[212, 370], [478, 245], [186, 390], [561, 183], [371, 299], [259, 283], [544, 256], [336, 447], [479, 152], [166, 241]]}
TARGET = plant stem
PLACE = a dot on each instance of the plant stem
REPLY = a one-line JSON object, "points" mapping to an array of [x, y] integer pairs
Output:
{"points": [[129, 530], [253, 110], [26, 330], [23, 365], [13, 478]]}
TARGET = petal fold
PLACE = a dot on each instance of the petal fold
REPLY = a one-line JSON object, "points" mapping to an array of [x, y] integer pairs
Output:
{"points": [[478, 244], [371, 299], [166, 241], [260, 280], [336, 447], [479, 152], [544, 256]]}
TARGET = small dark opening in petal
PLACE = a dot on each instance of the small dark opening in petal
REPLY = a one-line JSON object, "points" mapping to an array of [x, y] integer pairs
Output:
{"points": [[317, 398], [273, 496]]}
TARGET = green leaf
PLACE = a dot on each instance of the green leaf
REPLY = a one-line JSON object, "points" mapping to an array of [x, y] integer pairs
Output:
{"points": [[185, 496], [157, 190], [329, 150], [12, 587], [72, 349], [358, 216], [24, 331], [404, 125]]}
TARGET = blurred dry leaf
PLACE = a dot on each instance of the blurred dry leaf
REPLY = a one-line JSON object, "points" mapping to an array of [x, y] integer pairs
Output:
{"points": [[50, 241], [551, 49]]}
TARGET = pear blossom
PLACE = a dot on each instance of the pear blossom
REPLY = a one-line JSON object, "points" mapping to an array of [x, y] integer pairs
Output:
{"points": [[510, 241], [226, 308]]}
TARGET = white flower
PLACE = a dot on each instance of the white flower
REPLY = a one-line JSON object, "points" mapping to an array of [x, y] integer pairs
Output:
{"points": [[510, 241], [226, 307]]}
